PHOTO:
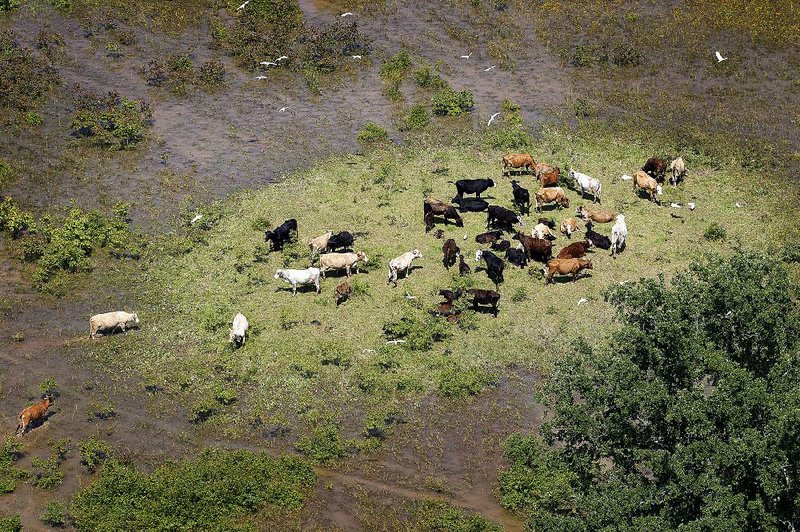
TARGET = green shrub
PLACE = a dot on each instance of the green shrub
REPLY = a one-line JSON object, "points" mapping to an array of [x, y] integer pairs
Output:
{"points": [[94, 452], [201, 411], [6, 174], [372, 134], [55, 514], [584, 56], [33, 119], [449, 102], [378, 423], [715, 232], [48, 386], [113, 50], [112, 122], [10, 452], [11, 523], [456, 381], [46, 474], [427, 79], [416, 119], [25, 80], [324, 444], [430, 516], [397, 66], [212, 73], [8, 5], [13, 219], [209, 492], [419, 330]]}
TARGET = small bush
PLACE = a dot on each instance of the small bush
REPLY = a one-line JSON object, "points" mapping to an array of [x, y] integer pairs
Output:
{"points": [[49, 386], [212, 73], [10, 452], [372, 134], [416, 119], [442, 516], [210, 492], [456, 381], [8, 5], [46, 473], [55, 514], [11, 523], [427, 79], [6, 174], [94, 453], [33, 119], [448, 102], [325, 444], [113, 50], [25, 80], [112, 121], [13, 219], [715, 232], [584, 56], [419, 330], [201, 411], [397, 66]]}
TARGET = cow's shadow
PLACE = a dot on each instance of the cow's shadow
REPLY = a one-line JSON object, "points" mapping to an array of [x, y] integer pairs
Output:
{"points": [[564, 279], [301, 289]]}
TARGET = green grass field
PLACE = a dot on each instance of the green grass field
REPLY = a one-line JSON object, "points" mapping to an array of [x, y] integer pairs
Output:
{"points": [[307, 359]]}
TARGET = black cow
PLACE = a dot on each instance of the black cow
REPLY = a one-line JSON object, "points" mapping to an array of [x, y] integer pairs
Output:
{"points": [[549, 222], [500, 245], [281, 234], [517, 257], [449, 252], [488, 237], [341, 240], [501, 218], [471, 204], [600, 241], [522, 198], [484, 297], [472, 186], [494, 266], [463, 267]]}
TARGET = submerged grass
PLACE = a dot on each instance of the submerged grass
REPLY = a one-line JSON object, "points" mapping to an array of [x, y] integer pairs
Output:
{"points": [[305, 354]]}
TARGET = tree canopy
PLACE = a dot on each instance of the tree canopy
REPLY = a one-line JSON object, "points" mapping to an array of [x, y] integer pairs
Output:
{"points": [[688, 417]]}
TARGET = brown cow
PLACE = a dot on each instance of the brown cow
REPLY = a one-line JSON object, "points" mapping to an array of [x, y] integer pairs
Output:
{"points": [[433, 207], [33, 413], [644, 182], [449, 251], [575, 250], [656, 168], [600, 217], [550, 195], [547, 175], [565, 267], [569, 226], [342, 293], [517, 160], [539, 249]]}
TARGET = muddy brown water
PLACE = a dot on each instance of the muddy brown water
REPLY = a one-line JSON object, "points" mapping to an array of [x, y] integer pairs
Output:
{"points": [[203, 147]]}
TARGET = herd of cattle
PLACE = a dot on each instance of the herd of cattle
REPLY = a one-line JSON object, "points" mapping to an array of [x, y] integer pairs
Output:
{"points": [[334, 251]]}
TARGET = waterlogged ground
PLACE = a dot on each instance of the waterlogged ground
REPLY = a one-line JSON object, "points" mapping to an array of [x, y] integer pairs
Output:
{"points": [[309, 363]]}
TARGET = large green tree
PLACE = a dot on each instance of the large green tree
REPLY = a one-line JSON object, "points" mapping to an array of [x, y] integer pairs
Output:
{"points": [[688, 417]]}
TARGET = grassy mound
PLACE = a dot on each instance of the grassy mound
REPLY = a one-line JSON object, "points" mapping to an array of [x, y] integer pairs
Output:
{"points": [[306, 356]]}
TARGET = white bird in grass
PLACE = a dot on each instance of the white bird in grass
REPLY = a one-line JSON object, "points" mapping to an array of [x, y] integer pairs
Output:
{"points": [[242, 6], [626, 177], [691, 205], [466, 56], [465, 236], [356, 57], [196, 218], [720, 59], [268, 63], [282, 109], [395, 342], [348, 14], [490, 68], [675, 205], [740, 205], [582, 300], [492, 119], [409, 296], [261, 77], [281, 58]]}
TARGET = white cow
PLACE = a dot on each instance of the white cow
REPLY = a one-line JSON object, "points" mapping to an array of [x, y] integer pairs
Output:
{"points": [[403, 262], [679, 171], [587, 184], [618, 235], [542, 231], [238, 332], [296, 277], [110, 322]]}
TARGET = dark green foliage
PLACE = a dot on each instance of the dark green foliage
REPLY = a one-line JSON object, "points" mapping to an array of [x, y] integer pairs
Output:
{"points": [[10, 452], [6, 173], [441, 516], [419, 330], [8, 5], [394, 72], [416, 119], [47, 474], [25, 80], [449, 102], [323, 50], [11, 523], [689, 418], [111, 121], [178, 74], [458, 381], [211, 73], [324, 444], [202, 410], [372, 134], [715, 232], [13, 219], [427, 79], [94, 452], [206, 493], [55, 514]]}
